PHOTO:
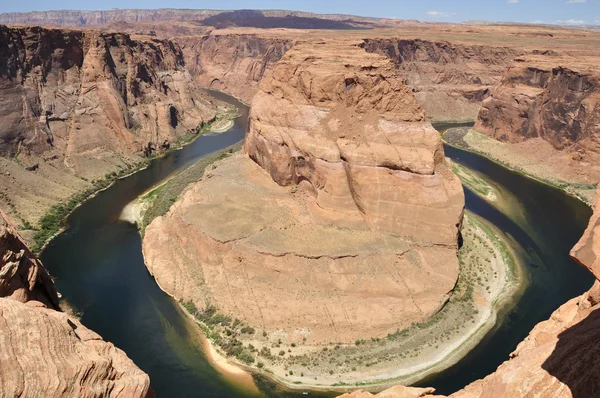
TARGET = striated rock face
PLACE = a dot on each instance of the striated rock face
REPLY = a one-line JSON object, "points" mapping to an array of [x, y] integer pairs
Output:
{"points": [[48, 353], [449, 80], [87, 93], [540, 98], [76, 105], [340, 223], [344, 126], [234, 63]]}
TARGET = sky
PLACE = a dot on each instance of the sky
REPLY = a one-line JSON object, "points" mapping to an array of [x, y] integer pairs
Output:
{"points": [[568, 12]]}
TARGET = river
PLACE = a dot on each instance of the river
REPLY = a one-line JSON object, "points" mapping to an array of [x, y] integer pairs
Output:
{"points": [[99, 269]]}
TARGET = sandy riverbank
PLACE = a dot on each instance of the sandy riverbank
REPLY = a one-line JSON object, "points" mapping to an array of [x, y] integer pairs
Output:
{"points": [[489, 273]]}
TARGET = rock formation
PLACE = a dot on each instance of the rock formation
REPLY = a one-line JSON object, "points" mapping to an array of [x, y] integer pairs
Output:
{"points": [[553, 98], [46, 352], [346, 128], [234, 63], [349, 213], [79, 104], [23, 277], [449, 79]]}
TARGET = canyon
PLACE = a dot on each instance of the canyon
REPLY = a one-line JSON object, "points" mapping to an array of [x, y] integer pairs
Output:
{"points": [[341, 171], [77, 106]]}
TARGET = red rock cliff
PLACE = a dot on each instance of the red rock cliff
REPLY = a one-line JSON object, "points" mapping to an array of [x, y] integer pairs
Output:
{"points": [[340, 122], [77, 105], [449, 80], [557, 99], [234, 63]]}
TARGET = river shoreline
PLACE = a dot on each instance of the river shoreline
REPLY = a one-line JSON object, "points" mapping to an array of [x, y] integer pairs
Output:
{"points": [[570, 188], [451, 352], [112, 178]]}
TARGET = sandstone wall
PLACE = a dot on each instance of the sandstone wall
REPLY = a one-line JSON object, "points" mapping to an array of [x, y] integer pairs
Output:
{"points": [[449, 80], [76, 105], [234, 63], [540, 98], [75, 92]]}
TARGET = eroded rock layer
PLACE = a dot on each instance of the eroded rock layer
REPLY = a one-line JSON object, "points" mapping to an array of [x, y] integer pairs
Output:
{"points": [[22, 276], [340, 223], [234, 63], [47, 353], [449, 80], [553, 98], [76, 105]]}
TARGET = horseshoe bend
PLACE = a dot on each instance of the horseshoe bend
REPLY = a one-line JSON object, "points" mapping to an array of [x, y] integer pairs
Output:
{"points": [[338, 223], [396, 204]]}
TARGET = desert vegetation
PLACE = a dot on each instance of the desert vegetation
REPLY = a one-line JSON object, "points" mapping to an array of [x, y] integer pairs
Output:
{"points": [[488, 274], [51, 222]]}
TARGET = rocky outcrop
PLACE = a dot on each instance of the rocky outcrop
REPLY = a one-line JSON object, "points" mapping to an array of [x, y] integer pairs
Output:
{"points": [[235, 63], [23, 278], [46, 352], [449, 80], [81, 104], [345, 127], [548, 99], [587, 251], [394, 392], [340, 222]]}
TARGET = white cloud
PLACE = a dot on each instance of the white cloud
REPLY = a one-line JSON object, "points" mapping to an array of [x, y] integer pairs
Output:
{"points": [[571, 22], [440, 14], [513, 1], [576, 1]]}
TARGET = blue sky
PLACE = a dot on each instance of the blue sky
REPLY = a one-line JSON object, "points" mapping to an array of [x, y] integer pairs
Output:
{"points": [[541, 11]]}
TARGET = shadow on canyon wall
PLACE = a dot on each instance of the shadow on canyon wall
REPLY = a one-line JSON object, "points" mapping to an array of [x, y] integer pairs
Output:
{"points": [[575, 360], [256, 19]]}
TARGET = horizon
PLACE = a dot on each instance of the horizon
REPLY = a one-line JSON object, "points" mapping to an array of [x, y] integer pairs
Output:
{"points": [[571, 13]]}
